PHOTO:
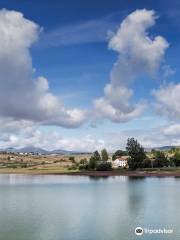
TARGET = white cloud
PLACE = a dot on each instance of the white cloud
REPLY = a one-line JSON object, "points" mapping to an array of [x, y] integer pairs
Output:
{"points": [[168, 101], [138, 55], [163, 135], [172, 130], [26, 102], [23, 133], [22, 96], [166, 135], [115, 105], [18, 134], [132, 41]]}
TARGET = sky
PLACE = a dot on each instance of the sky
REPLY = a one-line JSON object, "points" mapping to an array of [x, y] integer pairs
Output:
{"points": [[86, 75]]}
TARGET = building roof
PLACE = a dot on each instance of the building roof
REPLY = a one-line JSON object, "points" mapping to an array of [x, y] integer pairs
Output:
{"points": [[122, 157]]}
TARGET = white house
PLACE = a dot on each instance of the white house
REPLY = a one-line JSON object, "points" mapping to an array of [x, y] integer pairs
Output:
{"points": [[121, 162]]}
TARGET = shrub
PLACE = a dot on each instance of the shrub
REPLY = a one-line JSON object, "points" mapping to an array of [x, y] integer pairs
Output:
{"points": [[83, 164], [13, 166], [72, 159], [160, 160], [83, 161], [74, 167], [147, 163], [105, 166], [176, 159], [24, 165], [83, 167]]}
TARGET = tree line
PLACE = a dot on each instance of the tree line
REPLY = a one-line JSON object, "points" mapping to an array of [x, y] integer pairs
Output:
{"points": [[137, 158], [97, 162]]}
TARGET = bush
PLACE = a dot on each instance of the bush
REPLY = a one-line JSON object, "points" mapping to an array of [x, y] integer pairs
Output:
{"points": [[24, 165], [13, 166], [83, 164], [72, 159], [105, 166], [55, 161], [74, 167], [147, 163], [83, 167], [176, 159], [83, 161], [160, 160]]}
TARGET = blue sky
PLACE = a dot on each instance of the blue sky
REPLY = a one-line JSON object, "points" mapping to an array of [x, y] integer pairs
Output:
{"points": [[72, 53]]}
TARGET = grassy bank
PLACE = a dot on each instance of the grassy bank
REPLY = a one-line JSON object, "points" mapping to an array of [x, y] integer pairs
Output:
{"points": [[120, 172]]}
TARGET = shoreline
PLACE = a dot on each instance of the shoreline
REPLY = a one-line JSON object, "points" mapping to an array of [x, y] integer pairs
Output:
{"points": [[136, 173], [128, 174]]}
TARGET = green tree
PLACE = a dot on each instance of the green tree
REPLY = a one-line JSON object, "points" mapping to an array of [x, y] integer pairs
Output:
{"points": [[83, 161], [119, 153], [136, 154], [83, 164], [97, 156], [92, 163], [72, 159], [94, 160], [104, 155], [160, 159], [176, 159]]}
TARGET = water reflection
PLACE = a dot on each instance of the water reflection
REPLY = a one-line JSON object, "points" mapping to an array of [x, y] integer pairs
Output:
{"points": [[21, 179], [97, 178], [136, 194], [78, 208], [136, 178]]}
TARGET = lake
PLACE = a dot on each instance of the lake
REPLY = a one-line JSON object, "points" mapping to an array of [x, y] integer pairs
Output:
{"points": [[86, 208]]}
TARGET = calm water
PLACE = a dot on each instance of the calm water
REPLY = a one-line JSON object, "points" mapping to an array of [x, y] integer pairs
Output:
{"points": [[83, 208]]}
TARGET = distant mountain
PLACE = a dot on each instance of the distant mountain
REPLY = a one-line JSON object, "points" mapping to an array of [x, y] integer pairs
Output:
{"points": [[36, 150], [32, 149], [163, 148], [60, 151], [26, 150]]}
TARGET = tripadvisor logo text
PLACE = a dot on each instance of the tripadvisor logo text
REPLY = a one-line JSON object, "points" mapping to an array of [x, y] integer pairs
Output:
{"points": [[140, 231]]}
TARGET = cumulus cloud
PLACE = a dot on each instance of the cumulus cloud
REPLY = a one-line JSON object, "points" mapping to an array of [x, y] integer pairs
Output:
{"points": [[139, 54], [21, 95], [115, 105], [166, 135], [172, 130], [168, 101], [24, 133], [19, 134]]}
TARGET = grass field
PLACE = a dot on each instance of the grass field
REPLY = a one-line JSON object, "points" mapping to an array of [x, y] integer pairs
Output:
{"points": [[16, 163], [68, 164]]}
